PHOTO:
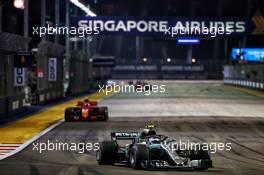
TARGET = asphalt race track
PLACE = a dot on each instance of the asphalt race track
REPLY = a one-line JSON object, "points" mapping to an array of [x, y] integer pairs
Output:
{"points": [[174, 114]]}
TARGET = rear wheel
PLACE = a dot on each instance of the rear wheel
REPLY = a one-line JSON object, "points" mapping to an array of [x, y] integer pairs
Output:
{"points": [[73, 114], [106, 153], [138, 154], [104, 112], [68, 113]]}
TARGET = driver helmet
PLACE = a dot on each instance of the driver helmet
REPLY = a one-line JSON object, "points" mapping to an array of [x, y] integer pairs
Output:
{"points": [[147, 132], [155, 140], [144, 133], [86, 100]]}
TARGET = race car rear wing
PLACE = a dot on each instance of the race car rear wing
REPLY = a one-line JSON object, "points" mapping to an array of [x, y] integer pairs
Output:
{"points": [[92, 103], [124, 135]]}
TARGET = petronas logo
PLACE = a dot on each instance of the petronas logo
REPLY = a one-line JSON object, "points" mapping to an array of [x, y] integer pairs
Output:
{"points": [[258, 20]]}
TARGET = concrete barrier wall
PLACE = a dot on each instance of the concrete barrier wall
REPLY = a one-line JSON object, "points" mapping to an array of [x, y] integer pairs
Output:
{"points": [[80, 73], [49, 90], [246, 83], [251, 76], [16, 104], [2, 107], [49, 94], [245, 72], [12, 98]]}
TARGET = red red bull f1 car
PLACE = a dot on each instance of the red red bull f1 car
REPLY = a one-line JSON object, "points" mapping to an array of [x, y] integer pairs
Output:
{"points": [[86, 111]]}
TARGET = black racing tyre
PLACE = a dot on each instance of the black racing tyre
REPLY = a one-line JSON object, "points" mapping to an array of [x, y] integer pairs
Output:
{"points": [[138, 154], [68, 113], [104, 111], [106, 153], [201, 155]]}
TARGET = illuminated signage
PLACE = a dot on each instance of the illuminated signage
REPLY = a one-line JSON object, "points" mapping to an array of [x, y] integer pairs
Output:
{"points": [[52, 69], [20, 76], [188, 40], [164, 26], [248, 54]]}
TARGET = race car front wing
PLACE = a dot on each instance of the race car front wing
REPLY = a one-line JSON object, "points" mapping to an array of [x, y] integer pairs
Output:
{"points": [[161, 164]]}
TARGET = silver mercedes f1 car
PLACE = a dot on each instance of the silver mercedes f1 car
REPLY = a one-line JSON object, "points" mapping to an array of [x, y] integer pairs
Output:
{"points": [[149, 150]]}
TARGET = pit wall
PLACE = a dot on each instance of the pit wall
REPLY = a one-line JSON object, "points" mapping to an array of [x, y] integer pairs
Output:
{"points": [[48, 90], [80, 73], [12, 98]]}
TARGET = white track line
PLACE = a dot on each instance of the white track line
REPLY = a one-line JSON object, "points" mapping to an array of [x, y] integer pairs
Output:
{"points": [[24, 145]]}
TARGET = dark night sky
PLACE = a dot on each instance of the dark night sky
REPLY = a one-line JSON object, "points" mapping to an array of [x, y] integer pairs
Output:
{"points": [[13, 18], [177, 8]]}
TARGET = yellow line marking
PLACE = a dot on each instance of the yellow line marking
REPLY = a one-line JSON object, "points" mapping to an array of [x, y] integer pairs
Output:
{"points": [[24, 129], [249, 91]]}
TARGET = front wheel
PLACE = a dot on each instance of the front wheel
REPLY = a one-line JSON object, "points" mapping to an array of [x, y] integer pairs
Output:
{"points": [[204, 158], [138, 154]]}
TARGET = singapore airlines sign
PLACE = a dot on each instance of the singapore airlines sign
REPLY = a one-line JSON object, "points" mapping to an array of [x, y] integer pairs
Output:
{"points": [[161, 26]]}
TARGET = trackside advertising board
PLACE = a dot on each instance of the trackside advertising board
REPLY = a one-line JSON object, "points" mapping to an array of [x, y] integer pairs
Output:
{"points": [[167, 26], [52, 69], [248, 54]]}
